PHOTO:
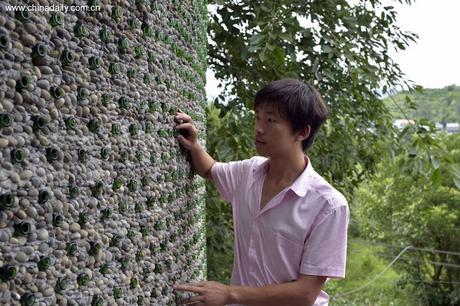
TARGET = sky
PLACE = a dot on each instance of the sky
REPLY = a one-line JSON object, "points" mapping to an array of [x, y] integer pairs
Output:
{"points": [[434, 60]]}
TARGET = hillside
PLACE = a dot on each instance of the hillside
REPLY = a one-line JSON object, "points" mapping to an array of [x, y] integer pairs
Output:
{"points": [[438, 105]]}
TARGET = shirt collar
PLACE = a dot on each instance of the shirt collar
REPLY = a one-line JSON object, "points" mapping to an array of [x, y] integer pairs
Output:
{"points": [[300, 186]]}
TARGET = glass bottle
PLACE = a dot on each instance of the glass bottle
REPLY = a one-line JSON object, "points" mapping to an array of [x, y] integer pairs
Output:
{"points": [[22, 228], [71, 123], [8, 272], [105, 35], [5, 120], [57, 92], [44, 263], [7, 201], [67, 57], [17, 155], [52, 154], [80, 30], [27, 299], [43, 196], [39, 50], [22, 15], [56, 19], [113, 68], [22, 83], [94, 62], [4, 41], [38, 123]]}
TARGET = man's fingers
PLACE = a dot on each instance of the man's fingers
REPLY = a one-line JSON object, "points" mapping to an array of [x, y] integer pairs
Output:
{"points": [[187, 126], [183, 117], [189, 288], [193, 300]]}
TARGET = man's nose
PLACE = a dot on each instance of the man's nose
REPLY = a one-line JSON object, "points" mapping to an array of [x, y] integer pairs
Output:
{"points": [[259, 129]]}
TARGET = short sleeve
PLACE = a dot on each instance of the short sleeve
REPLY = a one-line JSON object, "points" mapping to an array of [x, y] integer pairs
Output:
{"points": [[325, 250], [226, 176]]}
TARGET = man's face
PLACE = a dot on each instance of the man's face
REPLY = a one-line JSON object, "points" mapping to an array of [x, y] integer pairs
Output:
{"points": [[273, 133]]}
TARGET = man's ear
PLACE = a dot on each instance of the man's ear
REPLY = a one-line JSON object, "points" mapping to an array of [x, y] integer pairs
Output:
{"points": [[304, 133]]}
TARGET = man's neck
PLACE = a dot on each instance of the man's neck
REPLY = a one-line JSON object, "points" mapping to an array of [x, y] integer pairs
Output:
{"points": [[284, 170]]}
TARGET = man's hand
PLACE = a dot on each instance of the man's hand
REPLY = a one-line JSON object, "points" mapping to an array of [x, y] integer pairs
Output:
{"points": [[188, 132], [211, 294]]}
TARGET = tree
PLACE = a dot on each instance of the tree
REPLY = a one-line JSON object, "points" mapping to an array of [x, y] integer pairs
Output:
{"points": [[413, 200]]}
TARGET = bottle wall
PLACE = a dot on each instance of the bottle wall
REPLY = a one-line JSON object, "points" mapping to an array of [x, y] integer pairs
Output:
{"points": [[98, 202]]}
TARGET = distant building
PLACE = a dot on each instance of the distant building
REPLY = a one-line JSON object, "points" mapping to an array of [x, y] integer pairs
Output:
{"points": [[402, 123], [452, 127]]}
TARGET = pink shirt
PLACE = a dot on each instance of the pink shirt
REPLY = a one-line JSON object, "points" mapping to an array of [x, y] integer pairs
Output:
{"points": [[303, 229]]}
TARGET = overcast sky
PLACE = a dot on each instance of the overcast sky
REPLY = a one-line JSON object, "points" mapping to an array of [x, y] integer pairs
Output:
{"points": [[434, 61]]}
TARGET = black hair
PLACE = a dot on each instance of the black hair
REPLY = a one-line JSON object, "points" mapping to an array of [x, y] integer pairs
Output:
{"points": [[298, 102]]}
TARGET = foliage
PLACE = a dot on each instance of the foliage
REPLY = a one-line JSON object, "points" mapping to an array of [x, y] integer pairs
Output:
{"points": [[364, 262], [224, 143], [414, 200], [437, 105]]}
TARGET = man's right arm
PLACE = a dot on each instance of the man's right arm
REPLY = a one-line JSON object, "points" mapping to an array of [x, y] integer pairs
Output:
{"points": [[202, 162]]}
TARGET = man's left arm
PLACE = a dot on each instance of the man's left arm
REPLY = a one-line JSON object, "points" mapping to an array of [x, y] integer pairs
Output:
{"points": [[301, 292]]}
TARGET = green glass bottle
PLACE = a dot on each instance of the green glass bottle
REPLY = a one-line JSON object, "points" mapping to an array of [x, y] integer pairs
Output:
{"points": [[80, 30], [97, 300], [4, 41], [56, 20], [117, 293], [83, 218], [57, 92], [8, 272], [22, 228], [117, 183], [116, 129], [82, 279], [82, 94], [7, 201], [97, 188], [71, 248], [38, 51], [44, 263], [123, 44], [57, 219], [73, 191], [133, 129], [133, 283], [123, 102], [94, 248], [104, 269], [94, 125], [27, 299], [104, 153], [106, 213], [133, 23], [39, 123], [132, 185], [71, 123], [117, 12], [17, 155], [131, 72], [138, 51], [105, 35], [67, 57], [43, 196], [23, 15], [147, 30], [5, 120], [52, 154], [22, 83], [94, 62], [61, 284], [113, 68], [82, 155]]}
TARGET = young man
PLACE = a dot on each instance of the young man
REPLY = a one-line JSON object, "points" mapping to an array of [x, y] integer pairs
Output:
{"points": [[290, 224]]}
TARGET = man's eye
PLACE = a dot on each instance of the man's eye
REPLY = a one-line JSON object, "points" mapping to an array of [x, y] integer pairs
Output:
{"points": [[271, 120]]}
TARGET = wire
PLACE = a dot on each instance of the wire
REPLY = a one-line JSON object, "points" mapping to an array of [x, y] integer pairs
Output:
{"points": [[378, 275], [398, 247]]}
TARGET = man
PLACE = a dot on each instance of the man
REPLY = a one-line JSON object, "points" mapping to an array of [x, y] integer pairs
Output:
{"points": [[290, 224]]}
